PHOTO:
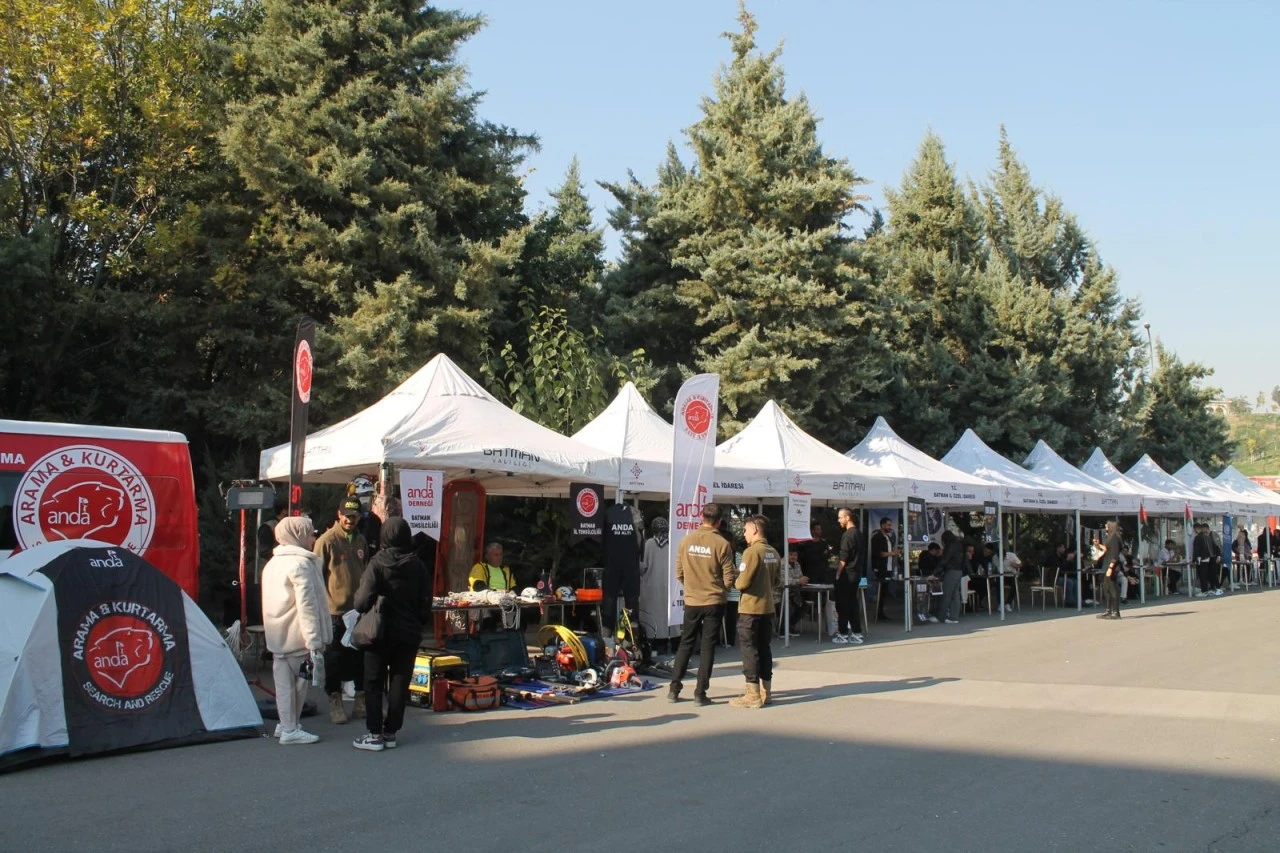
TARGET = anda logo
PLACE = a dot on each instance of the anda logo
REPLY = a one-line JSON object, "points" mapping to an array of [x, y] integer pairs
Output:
{"points": [[84, 492], [122, 647]]}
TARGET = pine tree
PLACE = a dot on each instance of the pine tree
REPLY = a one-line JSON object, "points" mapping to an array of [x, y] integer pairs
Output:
{"points": [[760, 247], [383, 195], [1083, 345], [1175, 425]]}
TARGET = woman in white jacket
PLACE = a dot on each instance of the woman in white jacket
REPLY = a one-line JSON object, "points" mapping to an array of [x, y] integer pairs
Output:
{"points": [[295, 618]]}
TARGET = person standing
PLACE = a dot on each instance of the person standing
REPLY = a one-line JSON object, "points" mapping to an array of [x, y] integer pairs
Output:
{"points": [[759, 574], [847, 593], [404, 584], [1202, 555], [1111, 564], [704, 564], [815, 556], [654, 568], [883, 552], [953, 567], [343, 552], [295, 621]]}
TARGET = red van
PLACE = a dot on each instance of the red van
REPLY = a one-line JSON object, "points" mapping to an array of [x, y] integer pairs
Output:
{"points": [[129, 487]]}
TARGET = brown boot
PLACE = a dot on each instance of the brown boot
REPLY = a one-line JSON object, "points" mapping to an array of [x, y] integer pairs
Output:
{"points": [[357, 710], [750, 700], [337, 714], [766, 693]]}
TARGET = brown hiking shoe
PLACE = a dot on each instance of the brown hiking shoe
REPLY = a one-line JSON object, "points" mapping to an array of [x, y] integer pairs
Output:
{"points": [[750, 700], [337, 714]]}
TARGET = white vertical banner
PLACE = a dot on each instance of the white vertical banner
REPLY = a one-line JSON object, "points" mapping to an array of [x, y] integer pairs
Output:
{"points": [[692, 472], [422, 496], [798, 517]]}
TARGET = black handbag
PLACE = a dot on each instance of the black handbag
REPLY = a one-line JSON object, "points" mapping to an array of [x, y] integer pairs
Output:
{"points": [[370, 630]]}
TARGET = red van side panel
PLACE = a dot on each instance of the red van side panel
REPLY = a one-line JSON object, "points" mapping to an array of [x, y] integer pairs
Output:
{"points": [[134, 492]]}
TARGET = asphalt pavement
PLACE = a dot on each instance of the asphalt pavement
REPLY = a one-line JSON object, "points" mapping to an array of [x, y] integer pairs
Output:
{"points": [[1048, 732]]}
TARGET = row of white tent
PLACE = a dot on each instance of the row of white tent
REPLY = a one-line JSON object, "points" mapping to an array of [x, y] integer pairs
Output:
{"points": [[441, 419]]}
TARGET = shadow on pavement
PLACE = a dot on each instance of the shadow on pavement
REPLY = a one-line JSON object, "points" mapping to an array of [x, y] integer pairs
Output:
{"points": [[865, 688]]}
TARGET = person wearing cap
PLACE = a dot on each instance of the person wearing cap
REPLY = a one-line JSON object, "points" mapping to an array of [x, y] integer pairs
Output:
{"points": [[343, 553], [295, 620]]}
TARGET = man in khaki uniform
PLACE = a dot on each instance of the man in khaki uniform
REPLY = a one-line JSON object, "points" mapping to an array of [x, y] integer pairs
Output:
{"points": [[704, 564], [758, 576], [343, 554]]}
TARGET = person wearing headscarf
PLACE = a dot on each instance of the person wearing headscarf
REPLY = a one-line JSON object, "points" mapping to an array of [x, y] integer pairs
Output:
{"points": [[295, 620], [654, 571], [403, 582]]}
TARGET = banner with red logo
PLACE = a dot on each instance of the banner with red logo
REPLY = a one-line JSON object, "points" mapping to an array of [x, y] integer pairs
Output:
{"points": [[126, 663], [693, 464], [422, 500], [586, 510], [303, 372]]}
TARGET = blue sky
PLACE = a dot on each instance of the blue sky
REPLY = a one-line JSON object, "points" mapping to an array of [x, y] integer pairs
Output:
{"points": [[1155, 122]]}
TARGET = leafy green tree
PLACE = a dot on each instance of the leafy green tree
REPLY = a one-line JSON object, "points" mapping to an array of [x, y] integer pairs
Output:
{"points": [[386, 201], [101, 110]]}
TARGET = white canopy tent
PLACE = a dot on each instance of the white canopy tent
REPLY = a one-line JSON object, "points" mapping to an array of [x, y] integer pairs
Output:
{"points": [[1156, 501], [441, 419], [1096, 497], [1147, 472], [642, 440], [884, 452], [1198, 481], [1266, 500], [1018, 488], [803, 464]]}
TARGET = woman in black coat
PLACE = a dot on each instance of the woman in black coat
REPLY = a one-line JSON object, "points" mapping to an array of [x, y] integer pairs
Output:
{"points": [[403, 581]]}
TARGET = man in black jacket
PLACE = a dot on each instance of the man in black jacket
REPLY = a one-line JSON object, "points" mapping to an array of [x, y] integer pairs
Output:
{"points": [[1112, 564], [883, 553], [1202, 556], [848, 595]]}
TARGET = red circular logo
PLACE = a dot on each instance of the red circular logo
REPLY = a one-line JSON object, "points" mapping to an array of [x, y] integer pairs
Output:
{"points": [[124, 656], [697, 416], [588, 503], [85, 492], [302, 370]]}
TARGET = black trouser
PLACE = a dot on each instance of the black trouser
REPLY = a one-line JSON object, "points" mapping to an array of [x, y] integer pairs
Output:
{"points": [[341, 663], [393, 666], [755, 633], [1173, 576], [882, 593], [704, 621], [846, 596], [1111, 594], [1204, 574]]}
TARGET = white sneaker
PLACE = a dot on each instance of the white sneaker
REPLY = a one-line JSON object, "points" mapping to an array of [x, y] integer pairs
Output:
{"points": [[1008, 608], [1217, 593], [951, 621], [933, 619], [840, 639], [1090, 602], [297, 736], [279, 730], [855, 639]]}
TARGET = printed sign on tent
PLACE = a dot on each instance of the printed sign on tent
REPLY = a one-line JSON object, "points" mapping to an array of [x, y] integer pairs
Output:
{"points": [[586, 513], [422, 496], [917, 521], [692, 471], [798, 517]]}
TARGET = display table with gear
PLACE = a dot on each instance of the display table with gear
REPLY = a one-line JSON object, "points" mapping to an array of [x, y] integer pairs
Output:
{"points": [[497, 643]]}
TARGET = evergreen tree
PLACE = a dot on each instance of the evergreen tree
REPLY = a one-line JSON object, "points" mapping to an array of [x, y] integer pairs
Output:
{"points": [[640, 293], [384, 197], [953, 366], [1083, 346], [1175, 425], [760, 245]]}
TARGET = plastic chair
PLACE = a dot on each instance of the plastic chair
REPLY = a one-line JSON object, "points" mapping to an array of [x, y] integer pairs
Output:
{"points": [[1044, 589]]}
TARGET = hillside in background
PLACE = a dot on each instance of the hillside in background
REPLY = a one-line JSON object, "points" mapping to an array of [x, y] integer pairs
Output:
{"points": [[1257, 441]]}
